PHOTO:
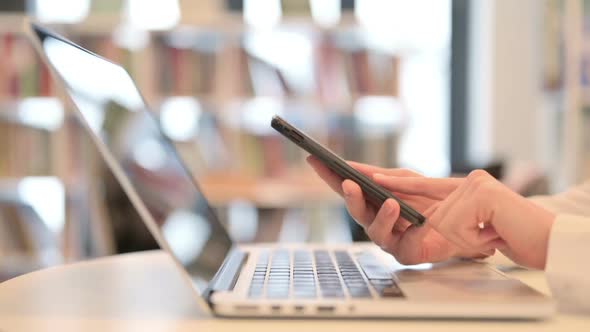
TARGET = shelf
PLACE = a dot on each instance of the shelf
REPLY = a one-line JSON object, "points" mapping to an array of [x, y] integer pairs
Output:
{"points": [[289, 190], [221, 22], [585, 91], [296, 189], [100, 24], [25, 112], [12, 23]]}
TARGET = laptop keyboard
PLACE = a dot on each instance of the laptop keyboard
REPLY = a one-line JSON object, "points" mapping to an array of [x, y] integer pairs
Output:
{"points": [[308, 274]]}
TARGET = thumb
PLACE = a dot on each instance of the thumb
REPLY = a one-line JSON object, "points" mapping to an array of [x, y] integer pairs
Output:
{"points": [[432, 188]]}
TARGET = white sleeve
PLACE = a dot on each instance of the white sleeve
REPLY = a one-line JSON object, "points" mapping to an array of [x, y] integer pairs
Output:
{"points": [[575, 201], [568, 268]]}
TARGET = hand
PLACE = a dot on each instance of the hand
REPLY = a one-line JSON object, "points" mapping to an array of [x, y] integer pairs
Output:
{"points": [[481, 214], [409, 244]]}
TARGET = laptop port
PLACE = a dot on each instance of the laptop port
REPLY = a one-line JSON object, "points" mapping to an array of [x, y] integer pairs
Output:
{"points": [[275, 308], [326, 309], [246, 307], [299, 308]]}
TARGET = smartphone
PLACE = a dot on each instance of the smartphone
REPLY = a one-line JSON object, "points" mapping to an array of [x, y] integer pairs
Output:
{"points": [[374, 193]]}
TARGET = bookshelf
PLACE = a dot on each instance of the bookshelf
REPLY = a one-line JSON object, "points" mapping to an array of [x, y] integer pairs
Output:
{"points": [[29, 226], [566, 92], [219, 80], [290, 190]]}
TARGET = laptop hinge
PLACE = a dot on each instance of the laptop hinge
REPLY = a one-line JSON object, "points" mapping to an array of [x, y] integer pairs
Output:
{"points": [[228, 274]]}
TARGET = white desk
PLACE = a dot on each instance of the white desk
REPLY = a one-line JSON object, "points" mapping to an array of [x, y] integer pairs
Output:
{"points": [[143, 292]]}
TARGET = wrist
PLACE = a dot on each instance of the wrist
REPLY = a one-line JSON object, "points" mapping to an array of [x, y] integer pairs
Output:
{"points": [[546, 224], [525, 227]]}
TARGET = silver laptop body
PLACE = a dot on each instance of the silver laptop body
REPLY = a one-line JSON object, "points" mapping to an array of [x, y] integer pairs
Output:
{"points": [[263, 280]]}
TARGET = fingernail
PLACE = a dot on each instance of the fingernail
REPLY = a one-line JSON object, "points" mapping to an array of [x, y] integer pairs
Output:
{"points": [[378, 176], [346, 192], [387, 207]]}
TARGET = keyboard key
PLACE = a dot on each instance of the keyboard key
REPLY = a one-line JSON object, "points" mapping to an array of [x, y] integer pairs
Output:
{"points": [[360, 293], [304, 283], [272, 283], [372, 267], [379, 276], [392, 291], [382, 282], [329, 287], [281, 274], [355, 283], [333, 294]]}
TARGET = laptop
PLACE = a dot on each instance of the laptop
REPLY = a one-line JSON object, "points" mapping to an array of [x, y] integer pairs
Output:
{"points": [[259, 280]]}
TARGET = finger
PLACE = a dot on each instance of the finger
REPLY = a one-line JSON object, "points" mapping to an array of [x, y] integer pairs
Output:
{"points": [[381, 229], [430, 187], [486, 250], [407, 197], [497, 243], [331, 178], [369, 170], [482, 254], [401, 225], [489, 252], [356, 205], [450, 211], [431, 210], [411, 247], [487, 234], [456, 219]]}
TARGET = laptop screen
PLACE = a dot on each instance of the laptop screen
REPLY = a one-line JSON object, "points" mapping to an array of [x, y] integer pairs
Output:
{"points": [[111, 105]]}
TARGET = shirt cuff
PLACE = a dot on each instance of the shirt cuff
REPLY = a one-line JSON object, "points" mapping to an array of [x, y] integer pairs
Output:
{"points": [[546, 202], [567, 265]]}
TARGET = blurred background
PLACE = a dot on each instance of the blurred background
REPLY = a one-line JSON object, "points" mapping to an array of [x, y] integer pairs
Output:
{"points": [[438, 86]]}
